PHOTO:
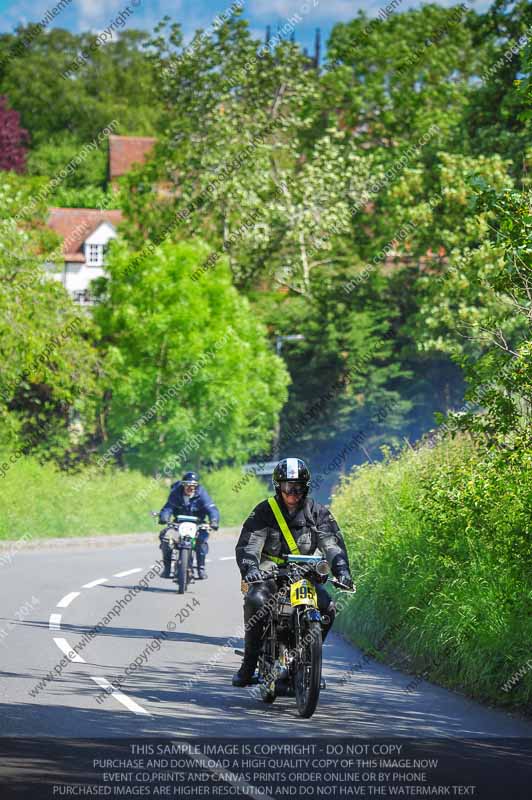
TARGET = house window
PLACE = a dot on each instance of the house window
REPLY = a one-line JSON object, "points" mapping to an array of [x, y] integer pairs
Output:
{"points": [[95, 255]]}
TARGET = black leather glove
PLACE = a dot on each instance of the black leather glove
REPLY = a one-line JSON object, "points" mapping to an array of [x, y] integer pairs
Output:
{"points": [[254, 574], [164, 516], [345, 579]]}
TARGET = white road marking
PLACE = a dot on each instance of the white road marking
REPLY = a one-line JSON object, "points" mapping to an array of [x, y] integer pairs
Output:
{"points": [[120, 696], [227, 558], [67, 599], [64, 646], [97, 582], [127, 572], [54, 622]]}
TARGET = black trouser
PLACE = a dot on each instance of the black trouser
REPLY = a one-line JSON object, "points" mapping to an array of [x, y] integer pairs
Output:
{"points": [[257, 602]]}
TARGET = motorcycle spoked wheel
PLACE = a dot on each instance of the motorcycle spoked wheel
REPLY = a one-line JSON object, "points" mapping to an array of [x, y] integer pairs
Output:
{"points": [[182, 571], [267, 693], [267, 690], [307, 677]]}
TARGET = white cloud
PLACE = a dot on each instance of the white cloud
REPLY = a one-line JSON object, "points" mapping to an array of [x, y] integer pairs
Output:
{"points": [[96, 13]]}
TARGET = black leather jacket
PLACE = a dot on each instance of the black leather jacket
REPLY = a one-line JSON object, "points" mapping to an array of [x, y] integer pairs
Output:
{"points": [[313, 528]]}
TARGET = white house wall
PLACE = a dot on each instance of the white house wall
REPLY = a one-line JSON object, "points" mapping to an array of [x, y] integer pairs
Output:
{"points": [[102, 234], [79, 276]]}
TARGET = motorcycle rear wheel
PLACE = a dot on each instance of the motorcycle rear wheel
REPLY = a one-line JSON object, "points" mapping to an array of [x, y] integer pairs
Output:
{"points": [[307, 678]]}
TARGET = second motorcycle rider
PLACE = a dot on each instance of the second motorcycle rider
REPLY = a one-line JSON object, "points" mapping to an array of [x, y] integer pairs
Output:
{"points": [[188, 497]]}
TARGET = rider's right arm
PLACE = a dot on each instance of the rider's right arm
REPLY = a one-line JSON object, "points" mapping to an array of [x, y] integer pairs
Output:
{"points": [[251, 541]]}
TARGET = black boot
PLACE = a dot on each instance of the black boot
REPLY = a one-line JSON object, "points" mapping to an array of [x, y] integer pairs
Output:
{"points": [[200, 560], [327, 620], [254, 625], [244, 676]]}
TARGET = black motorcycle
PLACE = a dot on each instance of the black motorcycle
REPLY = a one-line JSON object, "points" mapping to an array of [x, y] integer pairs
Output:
{"points": [[178, 540], [290, 657]]}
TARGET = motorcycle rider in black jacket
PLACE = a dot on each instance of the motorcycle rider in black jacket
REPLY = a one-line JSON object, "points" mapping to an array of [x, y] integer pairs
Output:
{"points": [[188, 497], [261, 542]]}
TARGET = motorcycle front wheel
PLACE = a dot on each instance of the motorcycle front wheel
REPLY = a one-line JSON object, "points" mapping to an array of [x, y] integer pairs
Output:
{"points": [[307, 677], [182, 571]]}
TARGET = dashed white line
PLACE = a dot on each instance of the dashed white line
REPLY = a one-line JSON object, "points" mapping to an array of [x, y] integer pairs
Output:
{"points": [[92, 584], [122, 698], [228, 558], [54, 623], [64, 646], [67, 599], [127, 572]]}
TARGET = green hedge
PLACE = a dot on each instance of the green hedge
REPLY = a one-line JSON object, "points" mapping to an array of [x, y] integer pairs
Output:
{"points": [[440, 545], [40, 500]]}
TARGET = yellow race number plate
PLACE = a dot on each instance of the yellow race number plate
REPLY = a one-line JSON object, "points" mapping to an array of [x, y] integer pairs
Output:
{"points": [[303, 593]]}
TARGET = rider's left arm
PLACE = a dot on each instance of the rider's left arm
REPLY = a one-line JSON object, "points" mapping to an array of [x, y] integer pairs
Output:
{"points": [[211, 509], [331, 542]]}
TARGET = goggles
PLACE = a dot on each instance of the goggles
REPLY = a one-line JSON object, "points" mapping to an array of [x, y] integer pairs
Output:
{"points": [[190, 485], [290, 487]]}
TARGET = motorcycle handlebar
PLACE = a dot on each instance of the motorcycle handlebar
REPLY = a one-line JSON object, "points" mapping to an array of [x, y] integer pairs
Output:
{"points": [[274, 572]]}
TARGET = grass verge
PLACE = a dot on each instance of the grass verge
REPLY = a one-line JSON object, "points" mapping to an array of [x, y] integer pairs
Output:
{"points": [[440, 546]]}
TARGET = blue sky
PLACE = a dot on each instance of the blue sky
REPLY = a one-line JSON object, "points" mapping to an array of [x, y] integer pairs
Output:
{"points": [[96, 15]]}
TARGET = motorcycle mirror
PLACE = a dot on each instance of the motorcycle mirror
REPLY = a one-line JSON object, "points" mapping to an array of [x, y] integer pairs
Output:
{"points": [[154, 513]]}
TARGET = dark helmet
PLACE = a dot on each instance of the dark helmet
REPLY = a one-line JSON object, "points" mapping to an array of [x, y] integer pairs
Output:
{"points": [[190, 478], [291, 469]]}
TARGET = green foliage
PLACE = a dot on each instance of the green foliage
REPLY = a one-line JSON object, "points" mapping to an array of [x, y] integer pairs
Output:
{"points": [[439, 543], [246, 140], [404, 75], [234, 506], [51, 157], [87, 197], [48, 362], [104, 503], [162, 330], [458, 300], [497, 118], [501, 380], [114, 82]]}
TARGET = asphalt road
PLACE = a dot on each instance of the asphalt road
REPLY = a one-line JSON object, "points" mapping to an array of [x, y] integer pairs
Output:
{"points": [[182, 686]]}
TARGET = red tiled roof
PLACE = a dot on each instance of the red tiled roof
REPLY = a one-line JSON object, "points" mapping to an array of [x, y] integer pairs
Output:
{"points": [[124, 151], [75, 225]]}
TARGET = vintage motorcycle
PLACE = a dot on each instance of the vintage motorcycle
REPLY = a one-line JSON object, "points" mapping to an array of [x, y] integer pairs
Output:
{"points": [[291, 649], [178, 539]]}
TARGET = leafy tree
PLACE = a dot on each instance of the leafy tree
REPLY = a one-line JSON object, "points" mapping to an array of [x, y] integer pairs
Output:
{"points": [[497, 118], [53, 156], [115, 81], [13, 139], [48, 362], [458, 304], [393, 80], [257, 167], [192, 358], [501, 380]]}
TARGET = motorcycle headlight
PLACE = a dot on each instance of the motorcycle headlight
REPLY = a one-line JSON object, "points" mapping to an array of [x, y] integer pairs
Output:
{"points": [[322, 567]]}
